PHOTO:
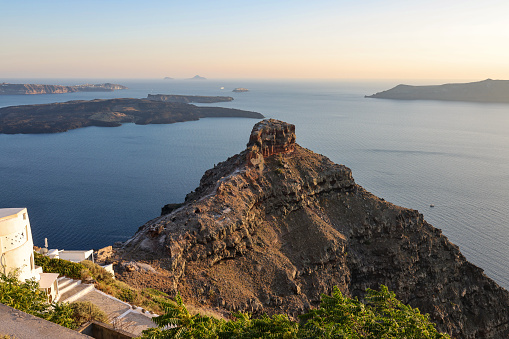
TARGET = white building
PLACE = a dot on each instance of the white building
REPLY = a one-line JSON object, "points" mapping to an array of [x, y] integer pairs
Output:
{"points": [[16, 244], [17, 250]]}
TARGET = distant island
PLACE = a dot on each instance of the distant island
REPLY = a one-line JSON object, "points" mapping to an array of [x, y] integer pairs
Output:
{"points": [[188, 98], [489, 91], [24, 89], [197, 77], [168, 78], [61, 117], [240, 89]]}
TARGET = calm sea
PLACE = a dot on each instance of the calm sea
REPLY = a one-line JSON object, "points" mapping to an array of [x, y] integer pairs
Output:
{"points": [[91, 187]]}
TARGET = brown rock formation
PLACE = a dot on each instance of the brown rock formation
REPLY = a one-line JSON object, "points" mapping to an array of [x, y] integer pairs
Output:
{"points": [[273, 235]]}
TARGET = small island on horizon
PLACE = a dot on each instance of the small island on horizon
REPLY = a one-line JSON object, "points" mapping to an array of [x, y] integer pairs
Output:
{"points": [[31, 89], [240, 90], [197, 77], [487, 91], [61, 117]]}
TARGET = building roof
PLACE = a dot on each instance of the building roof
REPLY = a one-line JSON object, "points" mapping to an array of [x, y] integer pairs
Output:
{"points": [[47, 279], [8, 212], [23, 325]]}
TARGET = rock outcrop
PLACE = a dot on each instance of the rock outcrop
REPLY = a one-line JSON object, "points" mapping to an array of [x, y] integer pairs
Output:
{"points": [[496, 91], [19, 89], [61, 117], [274, 227]]}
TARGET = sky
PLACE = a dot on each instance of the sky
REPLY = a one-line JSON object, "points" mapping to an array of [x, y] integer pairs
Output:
{"points": [[447, 39]]}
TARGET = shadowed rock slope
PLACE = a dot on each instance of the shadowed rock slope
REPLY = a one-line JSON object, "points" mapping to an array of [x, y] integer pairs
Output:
{"points": [[274, 227]]}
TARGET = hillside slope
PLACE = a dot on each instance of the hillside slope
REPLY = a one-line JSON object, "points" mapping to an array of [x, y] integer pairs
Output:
{"points": [[274, 227], [494, 91]]}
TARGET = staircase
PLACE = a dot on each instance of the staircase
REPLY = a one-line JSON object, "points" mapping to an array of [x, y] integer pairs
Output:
{"points": [[69, 290]]}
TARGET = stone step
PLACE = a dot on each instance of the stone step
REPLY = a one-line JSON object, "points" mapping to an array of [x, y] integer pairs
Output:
{"points": [[75, 293], [63, 282], [68, 286]]}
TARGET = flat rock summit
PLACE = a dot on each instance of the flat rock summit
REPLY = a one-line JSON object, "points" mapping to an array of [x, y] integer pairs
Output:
{"points": [[271, 229]]}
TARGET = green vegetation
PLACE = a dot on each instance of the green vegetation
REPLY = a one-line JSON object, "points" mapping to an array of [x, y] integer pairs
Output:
{"points": [[381, 316], [26, 297], [64, 267], [84, 311], [149, 299]]}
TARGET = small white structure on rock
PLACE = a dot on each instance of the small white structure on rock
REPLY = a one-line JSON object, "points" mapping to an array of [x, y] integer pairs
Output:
{"points": [[74, 256]]}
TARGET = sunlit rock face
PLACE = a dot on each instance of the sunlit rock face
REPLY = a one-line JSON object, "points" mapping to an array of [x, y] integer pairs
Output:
{"points": [[274, 227]]}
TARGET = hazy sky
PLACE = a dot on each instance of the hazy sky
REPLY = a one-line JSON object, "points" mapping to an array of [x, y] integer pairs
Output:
{"points": [[446, 39]]}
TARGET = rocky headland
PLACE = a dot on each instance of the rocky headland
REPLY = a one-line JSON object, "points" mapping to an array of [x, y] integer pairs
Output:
{"points": [[272, 228], [494, 91], [188, 98], [61, 117], [23, 89]]}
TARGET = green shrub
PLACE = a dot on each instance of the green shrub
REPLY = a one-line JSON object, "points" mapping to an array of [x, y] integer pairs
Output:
{"points": [[97, 272], [27, 297], [382, 316], [127, 295], [63, 267], [84, 311]]}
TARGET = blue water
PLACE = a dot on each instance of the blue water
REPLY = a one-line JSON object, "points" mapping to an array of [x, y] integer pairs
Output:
{"points": [[90, 187]]}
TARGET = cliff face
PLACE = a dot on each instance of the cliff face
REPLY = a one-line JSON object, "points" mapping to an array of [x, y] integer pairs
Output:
{"points": [[18, 89], [274, 227]]}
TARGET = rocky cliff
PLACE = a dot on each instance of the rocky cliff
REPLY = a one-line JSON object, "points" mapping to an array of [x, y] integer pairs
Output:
{"points": [[496, 91], [274, 227], [18, 89]]}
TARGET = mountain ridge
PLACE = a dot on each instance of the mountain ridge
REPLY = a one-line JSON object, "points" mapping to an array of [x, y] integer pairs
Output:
{"points": [[486, 91]]}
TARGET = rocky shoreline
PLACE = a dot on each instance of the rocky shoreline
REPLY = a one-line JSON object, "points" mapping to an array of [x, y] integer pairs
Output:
{"points": [[188, 98], [61, 117]]}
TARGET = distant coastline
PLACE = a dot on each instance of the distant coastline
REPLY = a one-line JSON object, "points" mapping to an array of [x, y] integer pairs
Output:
{"points": [[61, 117], [32, 89], [488, 91], [188, 98]]}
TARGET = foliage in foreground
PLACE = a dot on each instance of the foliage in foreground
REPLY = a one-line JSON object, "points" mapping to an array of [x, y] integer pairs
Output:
{"points": [[381, 316], [26, 297]]}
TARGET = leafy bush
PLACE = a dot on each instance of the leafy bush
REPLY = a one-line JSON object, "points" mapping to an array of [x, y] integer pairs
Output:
{"points": [[26, 297], [64, 267], [382, 316], [97, 272], [84, 311]]}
